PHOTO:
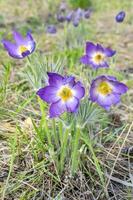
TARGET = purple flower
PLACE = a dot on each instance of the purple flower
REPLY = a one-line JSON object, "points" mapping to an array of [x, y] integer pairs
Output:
{"points": [[22, 46], [120, 16], [63, 94], [106, 91], [51, 29], [69, 16], [60, 18], [87, 14], [75, 22], [79, 13], [96, 55]]}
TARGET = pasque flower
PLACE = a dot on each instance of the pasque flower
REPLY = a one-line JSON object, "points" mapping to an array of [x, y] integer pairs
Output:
{"points": [[106, 91], [22, 47], [120, 16], [51, 29], [63, 94], [96, 55]]}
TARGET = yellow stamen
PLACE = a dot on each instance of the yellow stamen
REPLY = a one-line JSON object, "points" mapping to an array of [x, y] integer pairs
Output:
{"points": [[22, 49], [98, 58], [65, 93], [104, 88]]}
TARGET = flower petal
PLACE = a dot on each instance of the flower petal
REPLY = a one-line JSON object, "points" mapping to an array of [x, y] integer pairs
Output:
{"points": [[90, 48], [48, 94], [55, 79], [93, 94], [85, 60], [112, 78], [28, 41], [79, 90], [12, 49], [18, 38], [57, 108], [108, 100], [69, 80], [109, 52], [99, 48], [29, 36], [119, 88], [72, 105]]}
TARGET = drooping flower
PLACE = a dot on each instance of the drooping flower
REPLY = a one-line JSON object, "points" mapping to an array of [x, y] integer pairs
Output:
{"points": [[96, 55], [75, 22], [87, 13], [69, 16], [60, 17], [120, 16], [106, 91], [63, 94], [22, 47]]}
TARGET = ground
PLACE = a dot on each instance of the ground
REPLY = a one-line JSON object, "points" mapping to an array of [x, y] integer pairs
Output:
{"points": [[106, 167]]}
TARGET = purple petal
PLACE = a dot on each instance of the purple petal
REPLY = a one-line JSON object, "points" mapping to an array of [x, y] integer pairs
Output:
{"points": [[72, 104], [109, 52], [31, 46], [48, 94], [18, 38], [90, 48], [28, 42], [79, 90], [29, 36], [107, 108], [26, 53], [119, 88], [99, 48], [112, 78], [108, 100], [57, 108], [12, 49], [96, 66], [93, 94], [55, 79], [69, 80], [120, 16], [103, 65], [85, 60]]}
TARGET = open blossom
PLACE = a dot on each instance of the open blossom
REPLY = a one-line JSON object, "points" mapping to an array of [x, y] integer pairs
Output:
{"points": [[120, 16], [63, 94], [96, 55], [106, 91], [22, 47]]}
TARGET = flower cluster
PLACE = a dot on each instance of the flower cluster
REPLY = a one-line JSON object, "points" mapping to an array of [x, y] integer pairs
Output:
{"points": [[64, 93], [70, 16]]}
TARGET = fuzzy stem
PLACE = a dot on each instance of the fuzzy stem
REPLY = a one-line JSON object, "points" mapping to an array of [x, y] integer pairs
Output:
{"points": [[64, 149], [75, 156], [55, 133]]}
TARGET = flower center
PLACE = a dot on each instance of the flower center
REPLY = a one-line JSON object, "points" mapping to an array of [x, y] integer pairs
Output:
{"points": [[98, 58], [65, 93], [22, 49], [104, 88]]}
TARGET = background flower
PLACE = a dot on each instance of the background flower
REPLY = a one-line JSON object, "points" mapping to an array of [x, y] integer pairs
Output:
{"points": [[120, 16], [63, 94], [22, 46], [106, 91], [96, 55]]}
